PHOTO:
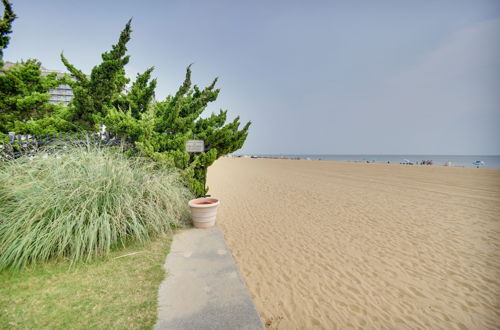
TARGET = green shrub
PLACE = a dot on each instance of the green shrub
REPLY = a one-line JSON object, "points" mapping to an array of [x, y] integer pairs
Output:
{"points": [[82, 203]]}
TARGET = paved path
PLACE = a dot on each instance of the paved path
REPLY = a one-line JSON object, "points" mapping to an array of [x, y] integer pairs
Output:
{"points": [[203, 288]]}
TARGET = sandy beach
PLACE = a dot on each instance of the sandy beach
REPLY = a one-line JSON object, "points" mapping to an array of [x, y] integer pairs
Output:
{"points": [[325, 245]]}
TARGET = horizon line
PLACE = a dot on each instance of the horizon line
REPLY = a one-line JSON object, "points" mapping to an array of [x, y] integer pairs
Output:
{"points": [[360, 154]]}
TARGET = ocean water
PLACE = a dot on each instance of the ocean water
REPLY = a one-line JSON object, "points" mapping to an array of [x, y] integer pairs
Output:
{"points": [[490, 161]]}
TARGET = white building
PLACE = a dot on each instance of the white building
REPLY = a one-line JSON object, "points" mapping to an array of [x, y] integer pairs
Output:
{"points": [[60, 94]]}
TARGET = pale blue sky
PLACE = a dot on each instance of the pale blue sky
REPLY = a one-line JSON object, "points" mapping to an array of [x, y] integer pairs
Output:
{"points": [[329, 77]]}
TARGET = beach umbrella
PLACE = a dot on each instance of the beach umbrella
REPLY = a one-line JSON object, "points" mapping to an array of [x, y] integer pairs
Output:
{"points": [[478, 163]]}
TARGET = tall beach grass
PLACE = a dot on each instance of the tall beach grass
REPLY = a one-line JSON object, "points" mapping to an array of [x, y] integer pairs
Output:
{"points": [[82, 203]]}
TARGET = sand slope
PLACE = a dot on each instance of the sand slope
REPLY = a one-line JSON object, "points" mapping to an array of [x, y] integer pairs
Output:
{"points": [[340, 245]]}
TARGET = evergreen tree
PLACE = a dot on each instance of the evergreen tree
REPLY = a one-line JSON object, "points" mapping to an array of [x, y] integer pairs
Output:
{"points": [[24, 99], [94, 95], [6, 27], [139, 99], [160, 130], [177, 119]]}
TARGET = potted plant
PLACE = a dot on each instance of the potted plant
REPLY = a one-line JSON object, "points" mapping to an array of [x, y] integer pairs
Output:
{"points": [[203, 211]]}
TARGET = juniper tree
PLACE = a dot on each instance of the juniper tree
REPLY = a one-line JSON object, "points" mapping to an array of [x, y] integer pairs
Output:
{"points": [[177, 119], [24, 91], [139, 99], [159, 129], [24, 99], [162, 129], [93, 95], [6, 27]]}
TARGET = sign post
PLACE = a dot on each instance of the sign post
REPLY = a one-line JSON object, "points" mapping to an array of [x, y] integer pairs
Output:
{"points": [[197, 146], [193, 146]]}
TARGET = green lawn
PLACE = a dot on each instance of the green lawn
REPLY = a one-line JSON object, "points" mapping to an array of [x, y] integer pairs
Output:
{"points": [[119, 292]]}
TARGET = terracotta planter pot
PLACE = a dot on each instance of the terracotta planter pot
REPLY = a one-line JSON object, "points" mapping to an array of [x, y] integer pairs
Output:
{"points": [[203, 211]]}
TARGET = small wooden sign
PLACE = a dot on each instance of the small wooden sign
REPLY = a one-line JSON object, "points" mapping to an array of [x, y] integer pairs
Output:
{"points": [[195, 146]]}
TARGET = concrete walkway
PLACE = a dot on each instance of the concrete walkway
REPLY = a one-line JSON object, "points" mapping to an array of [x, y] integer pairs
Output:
{"points": [[203, 288]]}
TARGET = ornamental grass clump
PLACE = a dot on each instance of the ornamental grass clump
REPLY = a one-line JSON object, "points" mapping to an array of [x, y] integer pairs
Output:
{"points": [[82, 203]]}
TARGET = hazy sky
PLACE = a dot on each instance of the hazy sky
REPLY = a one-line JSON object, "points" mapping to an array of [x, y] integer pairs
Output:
{"points": [[326, 77]]}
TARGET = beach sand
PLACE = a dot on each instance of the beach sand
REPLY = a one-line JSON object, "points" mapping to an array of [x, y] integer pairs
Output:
{"points": [[343, 245]]}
